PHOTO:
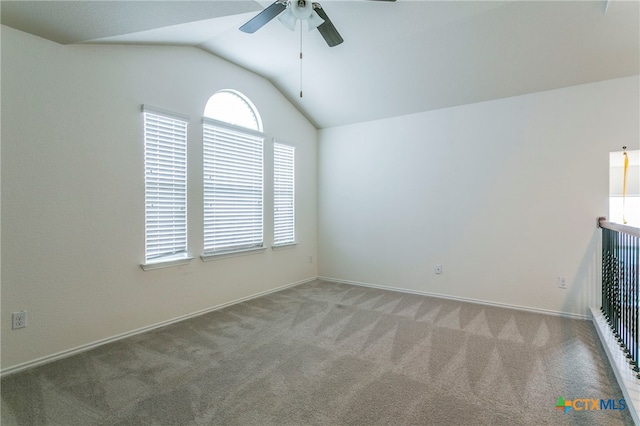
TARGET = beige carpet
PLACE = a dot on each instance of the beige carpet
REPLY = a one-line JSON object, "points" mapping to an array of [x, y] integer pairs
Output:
{"points": [[330, 354]]}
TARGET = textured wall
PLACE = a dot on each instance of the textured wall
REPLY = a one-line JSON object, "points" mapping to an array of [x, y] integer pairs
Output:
{"points": [[504, 194], [73, 191]]}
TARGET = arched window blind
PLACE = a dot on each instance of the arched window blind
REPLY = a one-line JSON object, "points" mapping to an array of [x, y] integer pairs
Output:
{"points": [[233, 175]]}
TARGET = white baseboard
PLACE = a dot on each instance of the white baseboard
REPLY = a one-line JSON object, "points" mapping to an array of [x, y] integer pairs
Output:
{"points": [[69, 352], [629, 384], [458, 298]]}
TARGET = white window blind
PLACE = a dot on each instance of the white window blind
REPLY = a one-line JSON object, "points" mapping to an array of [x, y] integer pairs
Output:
{"points": [[233, 187], [284, 194], [165, 160]]}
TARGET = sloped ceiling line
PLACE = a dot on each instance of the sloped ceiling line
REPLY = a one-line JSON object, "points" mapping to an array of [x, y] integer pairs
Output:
{"points": [[398, 58]]}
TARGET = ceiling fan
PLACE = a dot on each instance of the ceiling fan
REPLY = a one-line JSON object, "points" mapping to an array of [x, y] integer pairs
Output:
{"points": [[304, 10]]}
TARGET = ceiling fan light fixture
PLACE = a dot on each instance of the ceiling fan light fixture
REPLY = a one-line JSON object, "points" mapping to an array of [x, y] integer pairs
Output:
{"points": [[288, 13], [301, 9], [288, 19], [314, 21]]}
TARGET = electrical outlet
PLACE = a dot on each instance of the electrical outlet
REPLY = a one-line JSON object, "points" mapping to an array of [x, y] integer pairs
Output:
{"points": [[438, 269], [310, 259], [562, 282], [19, 319]]}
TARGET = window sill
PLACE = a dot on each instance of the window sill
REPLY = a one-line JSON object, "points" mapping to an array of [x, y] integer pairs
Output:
{"points": [[276, 247], [166, 262], [226, 254]]}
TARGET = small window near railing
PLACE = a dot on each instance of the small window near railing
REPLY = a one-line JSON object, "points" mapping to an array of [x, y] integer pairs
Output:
{"points": [[624, 187]]}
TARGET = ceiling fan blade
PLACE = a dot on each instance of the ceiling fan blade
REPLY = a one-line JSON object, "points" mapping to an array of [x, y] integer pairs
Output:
{"points": [[327, 29], [263, 17]]}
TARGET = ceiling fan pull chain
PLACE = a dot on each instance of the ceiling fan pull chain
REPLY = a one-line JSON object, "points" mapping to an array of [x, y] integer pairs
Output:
{"points": [[300, 58]]}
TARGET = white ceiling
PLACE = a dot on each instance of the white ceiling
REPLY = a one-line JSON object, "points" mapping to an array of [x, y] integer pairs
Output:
{"points": [[397, 58]]}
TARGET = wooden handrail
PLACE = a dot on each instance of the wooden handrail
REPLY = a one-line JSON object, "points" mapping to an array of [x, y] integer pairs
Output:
{"points": [[626, 229]]}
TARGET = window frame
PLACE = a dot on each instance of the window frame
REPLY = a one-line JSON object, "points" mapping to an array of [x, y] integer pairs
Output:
{"points": [[284, 194], [165, 139], [247, 106], [215, 243]]}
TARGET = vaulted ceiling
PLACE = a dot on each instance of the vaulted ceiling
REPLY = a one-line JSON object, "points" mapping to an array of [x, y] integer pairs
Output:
{"points": [[397, 58]]}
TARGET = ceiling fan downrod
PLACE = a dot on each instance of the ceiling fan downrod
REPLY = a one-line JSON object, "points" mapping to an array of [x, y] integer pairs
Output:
{"points": [[300, 60]]}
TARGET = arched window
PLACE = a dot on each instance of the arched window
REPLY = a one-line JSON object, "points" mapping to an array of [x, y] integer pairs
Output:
{"points": [[233, 175], [234, 108]]}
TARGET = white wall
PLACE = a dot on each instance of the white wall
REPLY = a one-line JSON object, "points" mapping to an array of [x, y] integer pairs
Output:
{"points": [[73, 191], [504, 194]]}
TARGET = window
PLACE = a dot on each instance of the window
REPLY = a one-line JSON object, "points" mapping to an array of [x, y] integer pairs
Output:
{"points": [[165, 179], [233, 175], [624, 200], [283, 194], [231, 107]]}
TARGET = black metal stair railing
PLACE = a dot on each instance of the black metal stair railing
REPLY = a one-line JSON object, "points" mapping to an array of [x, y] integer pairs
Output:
{"points": [[620, 292]]}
